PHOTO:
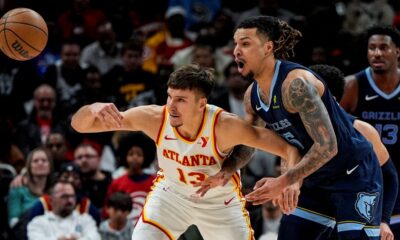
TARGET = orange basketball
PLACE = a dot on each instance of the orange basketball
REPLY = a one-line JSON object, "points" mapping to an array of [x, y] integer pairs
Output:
{"points": [[23, 34]]}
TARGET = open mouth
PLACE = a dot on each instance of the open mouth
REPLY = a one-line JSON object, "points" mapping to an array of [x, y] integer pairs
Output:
{"points": [[240, 64]]}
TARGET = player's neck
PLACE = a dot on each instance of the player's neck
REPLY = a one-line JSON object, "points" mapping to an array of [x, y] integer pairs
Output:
{"points": [[388, 81], [264, 77]]}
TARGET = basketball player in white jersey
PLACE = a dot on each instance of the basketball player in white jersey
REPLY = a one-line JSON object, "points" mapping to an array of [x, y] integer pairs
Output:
{"points": [[193, 139]]}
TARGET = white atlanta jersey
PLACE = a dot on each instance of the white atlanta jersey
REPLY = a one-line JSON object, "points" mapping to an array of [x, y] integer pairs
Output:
{"points": [[185, 162], [172, 206]]}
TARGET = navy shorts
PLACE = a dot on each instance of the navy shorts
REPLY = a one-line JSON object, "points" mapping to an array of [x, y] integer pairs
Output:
{"points": [[352, 202]]}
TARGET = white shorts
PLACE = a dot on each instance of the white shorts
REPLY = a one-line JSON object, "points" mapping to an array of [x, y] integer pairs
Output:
{"points": [[166, 215]]}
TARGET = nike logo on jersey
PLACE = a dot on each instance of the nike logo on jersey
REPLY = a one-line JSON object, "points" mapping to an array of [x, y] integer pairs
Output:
{"points": [[258, 108], [169, 138], [351, 170], [369, 98], [229, 201]]}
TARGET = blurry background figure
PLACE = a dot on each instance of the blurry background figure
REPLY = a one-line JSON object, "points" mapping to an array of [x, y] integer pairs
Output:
{"points": [[125, 82], [10, 153], [117, 226], [34, 131], [39, 168], [62, 222], [105, 52], [199, 12], [66, 76], [230, 95], [268, 8], [69, 172], [95, 182], [158, 94], [204, 53], [57, 146], [265, 220], [80, 22], [136, 153], [162, 45]]}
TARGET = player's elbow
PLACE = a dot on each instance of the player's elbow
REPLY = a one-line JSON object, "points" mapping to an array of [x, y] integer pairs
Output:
{"points": [[77, 126], [332, 148]]}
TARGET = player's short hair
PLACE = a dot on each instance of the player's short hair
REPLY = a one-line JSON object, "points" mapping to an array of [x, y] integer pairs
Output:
{"points": [[333, 77], [192, 77], [387, 30], [278, 31], [120, 201]]}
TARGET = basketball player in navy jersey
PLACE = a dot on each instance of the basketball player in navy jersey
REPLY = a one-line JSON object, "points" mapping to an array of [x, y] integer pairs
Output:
{"points": [[340, 175], [373, 95], [334, 79]]}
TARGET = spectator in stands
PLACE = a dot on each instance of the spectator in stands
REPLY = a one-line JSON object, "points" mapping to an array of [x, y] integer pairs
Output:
{"points": [[137, 152], [62, 222], [204, 53], [80, 22], [117, 227], [94, 181], [163, 44], [34, 131], [104, 53], [69, 172], [158, 94], [58, 148], [126, 81], [66, 76], [39, 166]]}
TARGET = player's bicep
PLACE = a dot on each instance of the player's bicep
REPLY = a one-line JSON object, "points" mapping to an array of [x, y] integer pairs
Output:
{"points": [[300, 96]]}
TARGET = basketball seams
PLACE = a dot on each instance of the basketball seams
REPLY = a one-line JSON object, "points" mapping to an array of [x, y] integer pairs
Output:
{"points": [[23, 40], [24, 23], [6, 40], [18, 13], [12, 36], [9, 48]]}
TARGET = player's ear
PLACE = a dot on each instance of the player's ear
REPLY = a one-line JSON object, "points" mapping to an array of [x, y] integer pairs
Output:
{"points": [[268, 47], [398, 52], [203, 102]]}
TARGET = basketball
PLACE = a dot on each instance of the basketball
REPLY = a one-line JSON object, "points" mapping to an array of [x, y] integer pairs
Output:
{"points": [[23, 34]]}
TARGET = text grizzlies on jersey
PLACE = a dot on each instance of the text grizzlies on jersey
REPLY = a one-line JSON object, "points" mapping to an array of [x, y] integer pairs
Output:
{"points": [[380, 115]]}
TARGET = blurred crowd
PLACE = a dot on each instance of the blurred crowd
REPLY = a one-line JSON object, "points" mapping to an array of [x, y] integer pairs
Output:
{"points": [[123, 51]]}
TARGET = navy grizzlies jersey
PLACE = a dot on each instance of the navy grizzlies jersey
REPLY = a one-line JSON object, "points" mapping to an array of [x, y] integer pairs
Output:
{"points": [[352, 146], [382, 111]]}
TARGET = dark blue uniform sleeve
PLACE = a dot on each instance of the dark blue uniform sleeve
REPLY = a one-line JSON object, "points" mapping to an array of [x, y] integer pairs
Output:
{"points": [[390, 188]]}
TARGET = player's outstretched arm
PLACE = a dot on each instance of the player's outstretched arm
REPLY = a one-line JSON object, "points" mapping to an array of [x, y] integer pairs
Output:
{"points": [[100, 117]]}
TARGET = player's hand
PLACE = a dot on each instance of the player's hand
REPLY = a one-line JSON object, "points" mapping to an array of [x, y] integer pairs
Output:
{"points": [[219, 179], [108, 114], [386, 233], [265, 190], [289, 199]]}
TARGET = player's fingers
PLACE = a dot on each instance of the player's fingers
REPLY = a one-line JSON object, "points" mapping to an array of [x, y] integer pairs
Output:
{"points": [[115, 109], [259, 183], [261, 201], [113, 117]]}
